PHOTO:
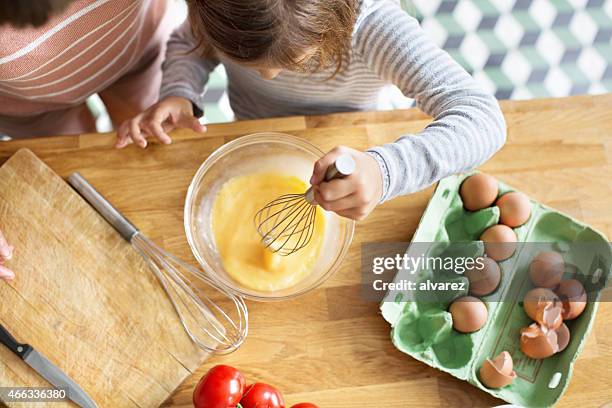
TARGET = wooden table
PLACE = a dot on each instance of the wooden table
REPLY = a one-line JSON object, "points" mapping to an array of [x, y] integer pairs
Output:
{"points": [[329, 346]]}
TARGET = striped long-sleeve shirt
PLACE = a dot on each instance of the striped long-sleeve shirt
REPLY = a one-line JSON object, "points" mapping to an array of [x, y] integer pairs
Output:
{"points": [[388, 46]]}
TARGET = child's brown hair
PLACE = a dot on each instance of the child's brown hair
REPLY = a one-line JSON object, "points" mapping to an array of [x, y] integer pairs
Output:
{"points": [[276, 32]]}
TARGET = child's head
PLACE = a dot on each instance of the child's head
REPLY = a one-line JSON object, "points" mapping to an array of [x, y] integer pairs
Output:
{"points": [[21, 13], [272, 35]]}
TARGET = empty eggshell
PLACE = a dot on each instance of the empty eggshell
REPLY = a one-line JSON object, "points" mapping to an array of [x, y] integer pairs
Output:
{"points": [[538, 342], [543, 306], [573, 298], [484, 277], [478, 191], [563, 337], [469, 314], [514, 209], [498, 372], [546, 269], [500, 242]]}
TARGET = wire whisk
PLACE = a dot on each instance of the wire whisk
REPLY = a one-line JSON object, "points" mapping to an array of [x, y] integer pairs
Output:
{"points": [[287, 223], [215, 319]]}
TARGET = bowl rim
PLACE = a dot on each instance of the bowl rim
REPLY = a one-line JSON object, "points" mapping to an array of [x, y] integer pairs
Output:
{"points": [[246, 140]]}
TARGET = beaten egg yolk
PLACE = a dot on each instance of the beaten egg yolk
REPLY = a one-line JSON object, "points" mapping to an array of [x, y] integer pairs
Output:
{"points": [[244, 257]]}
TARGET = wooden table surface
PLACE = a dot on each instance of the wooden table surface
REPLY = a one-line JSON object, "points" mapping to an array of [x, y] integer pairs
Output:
{"points": [[329, 346]]}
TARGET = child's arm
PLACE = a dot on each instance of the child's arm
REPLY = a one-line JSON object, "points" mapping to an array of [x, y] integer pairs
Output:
{"points": [[468, 125], [185, 75], [6, 252]]}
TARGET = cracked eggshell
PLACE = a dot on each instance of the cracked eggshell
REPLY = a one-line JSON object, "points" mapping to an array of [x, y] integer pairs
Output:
{"points": [[543, 306], [498, 372], [573, 298], [563, 337], [546, 269], [538, 342], [478, 191]]}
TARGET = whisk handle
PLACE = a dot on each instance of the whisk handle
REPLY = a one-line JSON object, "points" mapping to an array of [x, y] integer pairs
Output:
{"points": [[101, 205], [342, 167]]}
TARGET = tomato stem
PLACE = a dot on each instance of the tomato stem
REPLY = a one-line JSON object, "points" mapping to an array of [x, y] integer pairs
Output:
{"points": [[238, 406]]}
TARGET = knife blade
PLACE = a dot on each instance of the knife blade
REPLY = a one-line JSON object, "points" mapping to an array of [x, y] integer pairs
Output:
{"points": [[46, 369]]}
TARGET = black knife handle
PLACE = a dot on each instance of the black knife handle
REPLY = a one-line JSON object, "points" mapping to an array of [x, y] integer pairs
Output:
{"points": [[21, 349]]}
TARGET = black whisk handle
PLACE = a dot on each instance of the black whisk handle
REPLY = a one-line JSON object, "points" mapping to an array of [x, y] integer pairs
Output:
{"points": [[342, 167], [102, 206]]}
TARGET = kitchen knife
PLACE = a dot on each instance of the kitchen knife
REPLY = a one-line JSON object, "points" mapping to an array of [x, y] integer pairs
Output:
{"points": [[46, 369]]}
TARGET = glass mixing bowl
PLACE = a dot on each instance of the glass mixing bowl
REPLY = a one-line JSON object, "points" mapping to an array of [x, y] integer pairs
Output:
{"points": [[260, 152]]}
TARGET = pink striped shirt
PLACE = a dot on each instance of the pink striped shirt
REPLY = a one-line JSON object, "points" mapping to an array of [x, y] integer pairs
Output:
{"points": [[77, 53]]}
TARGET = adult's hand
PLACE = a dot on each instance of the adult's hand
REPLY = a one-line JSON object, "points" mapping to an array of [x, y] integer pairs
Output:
{"points": [[6, 253]]}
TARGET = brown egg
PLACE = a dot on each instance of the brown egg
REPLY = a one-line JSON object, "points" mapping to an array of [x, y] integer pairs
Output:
{"points": [[498, 372], [478, 191], [573, 297], [514, 209], [500, 242], [563, 337], [469, 314], [538, 342], [546, 269], [543, 306], [483, 280]]}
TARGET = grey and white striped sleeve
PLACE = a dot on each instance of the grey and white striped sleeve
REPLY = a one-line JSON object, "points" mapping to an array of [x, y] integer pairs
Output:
{"points": [[185, 73], [468, 126]]}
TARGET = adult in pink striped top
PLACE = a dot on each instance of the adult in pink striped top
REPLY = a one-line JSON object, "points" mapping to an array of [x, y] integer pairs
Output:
{"points": [[48, 68]]}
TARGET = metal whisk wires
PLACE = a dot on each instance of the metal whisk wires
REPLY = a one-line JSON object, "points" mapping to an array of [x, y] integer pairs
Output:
{"points": [[215, 319], [194, 297], [287, 223]]}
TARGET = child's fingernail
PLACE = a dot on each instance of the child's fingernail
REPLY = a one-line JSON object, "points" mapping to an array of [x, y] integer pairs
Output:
{"points": [[312, 179]]}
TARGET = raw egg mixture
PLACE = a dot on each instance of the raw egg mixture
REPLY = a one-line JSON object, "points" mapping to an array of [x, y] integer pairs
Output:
{"points": [[239, 245]]}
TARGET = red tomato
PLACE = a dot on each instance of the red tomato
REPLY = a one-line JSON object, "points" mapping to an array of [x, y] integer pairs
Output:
{"points": [[304, 405], [260, 395], [221, 387]]}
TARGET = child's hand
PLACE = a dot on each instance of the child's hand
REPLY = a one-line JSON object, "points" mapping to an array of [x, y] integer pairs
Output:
{"points": [[6, 253], [171, 113], [354, 196]]}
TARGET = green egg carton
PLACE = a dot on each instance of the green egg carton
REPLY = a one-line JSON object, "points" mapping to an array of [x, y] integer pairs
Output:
{"points": [[422, 327]]}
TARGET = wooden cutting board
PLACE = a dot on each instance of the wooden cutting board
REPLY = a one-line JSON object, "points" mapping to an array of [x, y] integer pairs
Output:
{"points": [[83, 297]]}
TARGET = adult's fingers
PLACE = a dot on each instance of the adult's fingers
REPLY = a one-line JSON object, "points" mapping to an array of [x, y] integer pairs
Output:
{"points": [[6, 273], [6, 250], [321, 165], [336, 189]]}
